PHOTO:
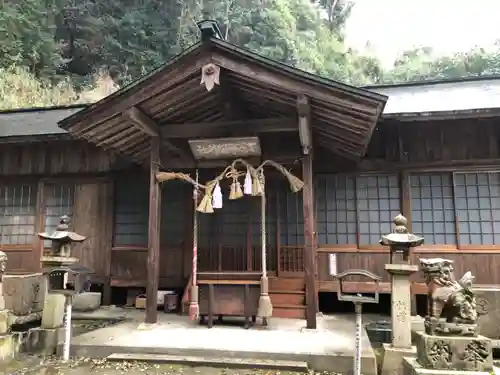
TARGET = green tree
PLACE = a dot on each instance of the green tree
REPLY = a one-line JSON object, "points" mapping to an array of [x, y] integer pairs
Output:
{"points": [[70, 41], [420, 64], [27, 29]]}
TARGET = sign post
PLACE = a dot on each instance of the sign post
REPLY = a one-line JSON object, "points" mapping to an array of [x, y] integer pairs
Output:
{"points": [[358, 300]]}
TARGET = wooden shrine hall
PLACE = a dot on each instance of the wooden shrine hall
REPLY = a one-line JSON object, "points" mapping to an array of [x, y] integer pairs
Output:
{"points": [[188, 121]]}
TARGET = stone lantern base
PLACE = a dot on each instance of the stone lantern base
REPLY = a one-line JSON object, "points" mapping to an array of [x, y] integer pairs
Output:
{"points": [[401, 345]]}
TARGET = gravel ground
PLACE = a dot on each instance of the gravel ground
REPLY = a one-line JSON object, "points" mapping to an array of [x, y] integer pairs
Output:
{"points": [[84, 366]]}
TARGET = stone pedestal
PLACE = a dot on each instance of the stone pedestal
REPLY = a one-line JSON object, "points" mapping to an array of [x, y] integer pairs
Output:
{"points": [[401, 303], [392, 362], [488, 309], [454, 353], [53, 311], [412, 367], [442, 354], [24, 294], [401, 319], [86, 301]]}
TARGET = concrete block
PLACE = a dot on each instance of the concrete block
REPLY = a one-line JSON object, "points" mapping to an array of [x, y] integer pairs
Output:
{"points": [[488, 302], [4, 322], [24, 294], [392, 359], [43, 341], [7, 349], [223, 362], [412, 367], [87, 301], [53, 311]]}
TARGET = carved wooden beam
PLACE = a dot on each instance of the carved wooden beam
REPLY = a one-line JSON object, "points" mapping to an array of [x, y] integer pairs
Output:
{"points": [[149, 126], [204, 129], [305, 130]]}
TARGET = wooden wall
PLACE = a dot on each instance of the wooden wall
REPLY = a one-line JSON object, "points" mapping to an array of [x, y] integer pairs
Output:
{"points": [[448, 181], [41, 181], [54, 158], [74, 178], [130, 241]]}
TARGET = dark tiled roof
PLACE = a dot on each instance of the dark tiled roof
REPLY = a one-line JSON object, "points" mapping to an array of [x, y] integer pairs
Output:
{"points": [[31, 122]]}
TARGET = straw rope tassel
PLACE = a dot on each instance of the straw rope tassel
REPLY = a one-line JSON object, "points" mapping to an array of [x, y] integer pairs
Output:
{"points": [[194, 308], [265, 309]]}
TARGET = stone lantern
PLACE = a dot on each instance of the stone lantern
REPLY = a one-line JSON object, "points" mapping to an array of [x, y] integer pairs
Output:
{"points": [[57, 265], [62, 242], [400, 243]]}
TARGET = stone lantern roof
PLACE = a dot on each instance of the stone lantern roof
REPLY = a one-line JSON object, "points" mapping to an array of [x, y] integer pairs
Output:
{"points": [[400, 236], [62, 234]]}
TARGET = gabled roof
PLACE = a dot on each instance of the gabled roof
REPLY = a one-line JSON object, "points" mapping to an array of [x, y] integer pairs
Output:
{"points": [[468, 97], [343, 116]]}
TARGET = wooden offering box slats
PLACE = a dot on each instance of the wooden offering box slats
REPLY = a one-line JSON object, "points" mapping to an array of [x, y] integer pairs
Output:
{"points": [[229, 294]]}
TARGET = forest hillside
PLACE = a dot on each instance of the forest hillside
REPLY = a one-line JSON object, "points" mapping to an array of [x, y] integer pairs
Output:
{"points": [[59, 52]]}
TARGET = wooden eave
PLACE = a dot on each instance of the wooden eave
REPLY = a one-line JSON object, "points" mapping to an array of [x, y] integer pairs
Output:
{"points": [[343, 117]]}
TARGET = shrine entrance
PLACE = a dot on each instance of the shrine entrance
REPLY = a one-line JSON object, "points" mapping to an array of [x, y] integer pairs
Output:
{"points": [[154, 121]]}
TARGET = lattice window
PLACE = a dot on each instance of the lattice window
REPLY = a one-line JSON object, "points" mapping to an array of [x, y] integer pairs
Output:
{"points": [[477, 202], [17, 214], [59, 202], [131, 213], [336, 209], [232, 222], [378, 204], [433, 211], [291, 217]]}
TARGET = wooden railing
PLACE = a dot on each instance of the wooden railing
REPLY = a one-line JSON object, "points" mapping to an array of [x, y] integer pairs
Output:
{"points": [[234, 259], [291, 261]]}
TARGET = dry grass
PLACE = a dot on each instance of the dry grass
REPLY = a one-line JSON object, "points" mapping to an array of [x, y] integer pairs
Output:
{"points": [[21, 89]]}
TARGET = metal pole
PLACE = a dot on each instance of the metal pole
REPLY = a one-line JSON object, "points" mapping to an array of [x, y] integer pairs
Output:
{"points": [[359, 329], [67, 327]]}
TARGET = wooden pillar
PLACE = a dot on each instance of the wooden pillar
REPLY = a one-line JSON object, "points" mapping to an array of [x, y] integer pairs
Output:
{"points": [[309, 242], [153, 262], [305, 134]]}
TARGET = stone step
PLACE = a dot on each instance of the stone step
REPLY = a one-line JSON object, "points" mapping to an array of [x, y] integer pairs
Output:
{"points": [[223, 362]]}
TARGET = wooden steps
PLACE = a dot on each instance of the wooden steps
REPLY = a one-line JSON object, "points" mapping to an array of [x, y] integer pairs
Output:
{"points": [[288, 297], [289, 311]]}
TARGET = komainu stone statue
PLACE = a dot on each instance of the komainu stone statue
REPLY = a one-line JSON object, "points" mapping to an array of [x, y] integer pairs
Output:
{"points": [[451, 304]]}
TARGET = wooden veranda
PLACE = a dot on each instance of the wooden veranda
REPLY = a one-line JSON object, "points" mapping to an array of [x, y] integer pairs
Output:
{"points": [[290, 111]]}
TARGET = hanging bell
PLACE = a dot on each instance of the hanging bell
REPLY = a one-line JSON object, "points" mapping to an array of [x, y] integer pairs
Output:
{"points": [[217, 197], [235, 191], [247, 186]]}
